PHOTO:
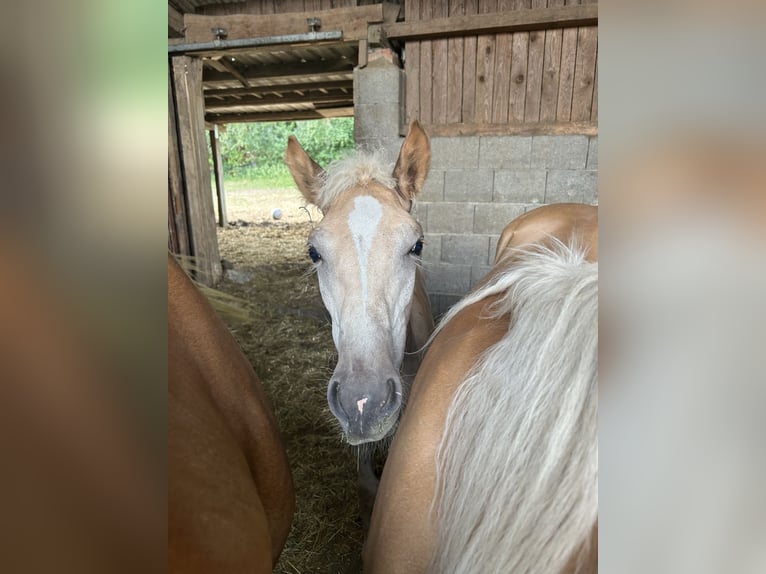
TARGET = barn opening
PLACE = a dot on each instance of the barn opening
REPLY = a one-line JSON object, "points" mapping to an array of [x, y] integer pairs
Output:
{"points": [[250, 180]]}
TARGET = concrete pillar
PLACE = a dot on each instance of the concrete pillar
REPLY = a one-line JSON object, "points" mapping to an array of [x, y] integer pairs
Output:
{"points": [[379, 102]]}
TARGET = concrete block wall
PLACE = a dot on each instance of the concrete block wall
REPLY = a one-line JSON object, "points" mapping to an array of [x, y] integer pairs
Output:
{"points": [[478, 184]]}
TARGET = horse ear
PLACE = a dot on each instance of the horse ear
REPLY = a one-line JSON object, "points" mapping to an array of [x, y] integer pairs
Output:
{"points": [[414, 160], [306, 172]]}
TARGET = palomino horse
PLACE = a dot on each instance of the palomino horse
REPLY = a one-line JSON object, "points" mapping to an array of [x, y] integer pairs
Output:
{"points": [[494, 467], [230, 491], [366, 252]]}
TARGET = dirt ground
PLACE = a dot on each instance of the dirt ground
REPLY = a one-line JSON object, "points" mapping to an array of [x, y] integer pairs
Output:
{"points": [[290, 346]]}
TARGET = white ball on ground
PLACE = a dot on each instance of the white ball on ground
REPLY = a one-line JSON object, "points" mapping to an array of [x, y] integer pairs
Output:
{"points": [[276, 213]]}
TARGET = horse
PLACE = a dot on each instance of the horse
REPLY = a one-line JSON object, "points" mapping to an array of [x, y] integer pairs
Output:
{"points": [[366, 252], [230, 491], [494, 467]]}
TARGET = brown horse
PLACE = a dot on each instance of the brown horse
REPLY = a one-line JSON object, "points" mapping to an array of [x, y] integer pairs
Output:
{"points": [[230, 491], [494, 466]]}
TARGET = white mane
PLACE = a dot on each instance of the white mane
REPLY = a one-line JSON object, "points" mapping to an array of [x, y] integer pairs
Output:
{"points": [[517, 471], [357, 169]]}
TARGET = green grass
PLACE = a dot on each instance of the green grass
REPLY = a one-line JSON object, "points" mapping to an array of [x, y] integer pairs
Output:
{"points": [[257, 179]]}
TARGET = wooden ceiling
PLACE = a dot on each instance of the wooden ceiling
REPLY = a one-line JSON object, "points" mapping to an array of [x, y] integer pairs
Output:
{"points": [[269, 67]]}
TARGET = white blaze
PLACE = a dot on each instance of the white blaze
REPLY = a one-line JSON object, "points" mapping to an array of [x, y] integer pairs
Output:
{"points": [[363, 222]]}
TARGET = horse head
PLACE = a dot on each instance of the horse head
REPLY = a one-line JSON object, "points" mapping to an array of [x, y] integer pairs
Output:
{"points": [[366, 252]]}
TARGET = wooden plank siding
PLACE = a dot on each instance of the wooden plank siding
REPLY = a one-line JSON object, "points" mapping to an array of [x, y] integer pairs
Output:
{"points": [[468, 111], [274, 6], [534, 78]]}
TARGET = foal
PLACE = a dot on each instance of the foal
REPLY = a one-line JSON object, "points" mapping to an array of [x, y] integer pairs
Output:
{"points": [[366, 252]]}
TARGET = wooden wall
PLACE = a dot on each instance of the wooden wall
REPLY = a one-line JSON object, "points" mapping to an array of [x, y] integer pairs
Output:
{"points": [[545, 77], [280, 6]]}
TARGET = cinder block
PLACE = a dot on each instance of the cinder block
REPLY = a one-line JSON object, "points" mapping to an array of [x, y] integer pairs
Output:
{"points": [[505, 152], [478, 272], [491, 218], [449, 279], [468, 185], [433, 190], [577, 186], [432, 248], [454, 152], [559, 152], [376, 121], [377, 84], [590, 194], [465, 249], [592, 154], [525, 186], [450, 217]]}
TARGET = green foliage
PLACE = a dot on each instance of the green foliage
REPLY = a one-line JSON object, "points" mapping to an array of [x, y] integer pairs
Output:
{"points": [[255, 152]]}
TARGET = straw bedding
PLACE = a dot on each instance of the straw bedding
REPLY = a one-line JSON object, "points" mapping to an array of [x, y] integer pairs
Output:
{"points": [[287, 339]]}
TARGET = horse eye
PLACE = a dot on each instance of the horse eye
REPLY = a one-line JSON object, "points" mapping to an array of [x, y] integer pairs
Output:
{"points": [[417, 248], [314, 254]]}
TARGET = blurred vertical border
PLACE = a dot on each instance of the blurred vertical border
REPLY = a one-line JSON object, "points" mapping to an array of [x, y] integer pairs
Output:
{"points": [[83, 286], [682, 183]]}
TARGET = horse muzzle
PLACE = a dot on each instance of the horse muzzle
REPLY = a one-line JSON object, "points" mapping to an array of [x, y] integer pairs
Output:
{"points": [[367, 409]]}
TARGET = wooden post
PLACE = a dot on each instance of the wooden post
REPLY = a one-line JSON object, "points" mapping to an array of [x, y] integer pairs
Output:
{"points": [[223, 218], [178, 225], [198, 195]]}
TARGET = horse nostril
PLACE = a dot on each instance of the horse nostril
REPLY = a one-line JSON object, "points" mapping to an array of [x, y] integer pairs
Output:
{"points": [[394, 397], [333, 399]]}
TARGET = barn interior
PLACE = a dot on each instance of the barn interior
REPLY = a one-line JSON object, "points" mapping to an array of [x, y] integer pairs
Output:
{"points": [[507, 92]]}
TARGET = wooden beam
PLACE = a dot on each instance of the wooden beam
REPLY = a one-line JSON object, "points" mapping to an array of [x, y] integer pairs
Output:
{"points": [[213, 95], [189, 117], [282, 70], [184, 5], [215, 147], [492, 23], [175, 22], [351, 21], [537, 129], [211, 105], [344, 112], [233, 71]]}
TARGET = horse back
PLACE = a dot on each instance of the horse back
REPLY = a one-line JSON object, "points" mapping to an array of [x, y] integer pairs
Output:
{"points": [[230, 490], [564, 221], [403, 530]]}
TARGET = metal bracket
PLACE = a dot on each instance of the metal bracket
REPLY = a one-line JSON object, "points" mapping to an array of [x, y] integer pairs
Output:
{"points": [[219, 33], [314, 24]]}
